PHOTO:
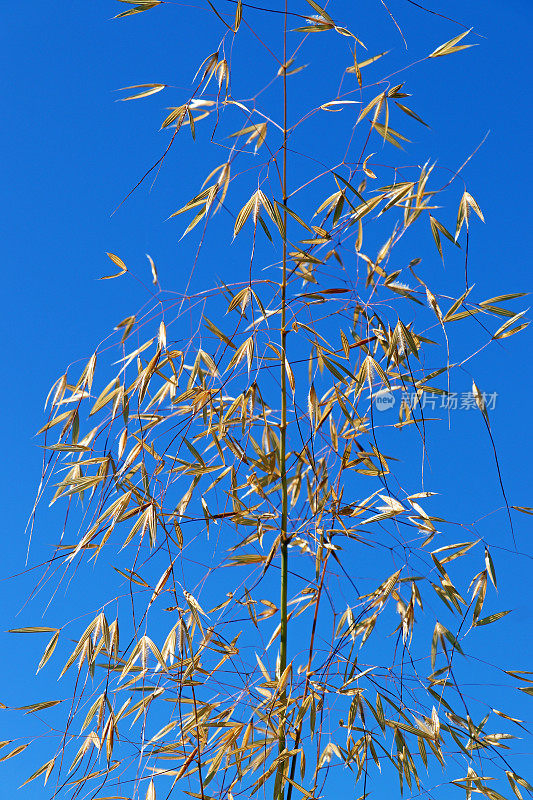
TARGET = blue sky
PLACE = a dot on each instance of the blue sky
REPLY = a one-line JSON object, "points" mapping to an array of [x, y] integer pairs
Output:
{"points": [[71, 154]]}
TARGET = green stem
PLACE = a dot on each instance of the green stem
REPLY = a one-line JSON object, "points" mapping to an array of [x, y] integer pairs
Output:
{"points": [[308, 672], [283, 428]]}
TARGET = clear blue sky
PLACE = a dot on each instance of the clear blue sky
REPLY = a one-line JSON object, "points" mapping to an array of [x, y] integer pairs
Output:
{"points": [[69, 155]]}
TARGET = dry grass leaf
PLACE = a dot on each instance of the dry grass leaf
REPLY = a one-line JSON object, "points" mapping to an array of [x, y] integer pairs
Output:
{"points": [[138, 7], [176, 117], [149, 88], [119, 263], [450, 47]]}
